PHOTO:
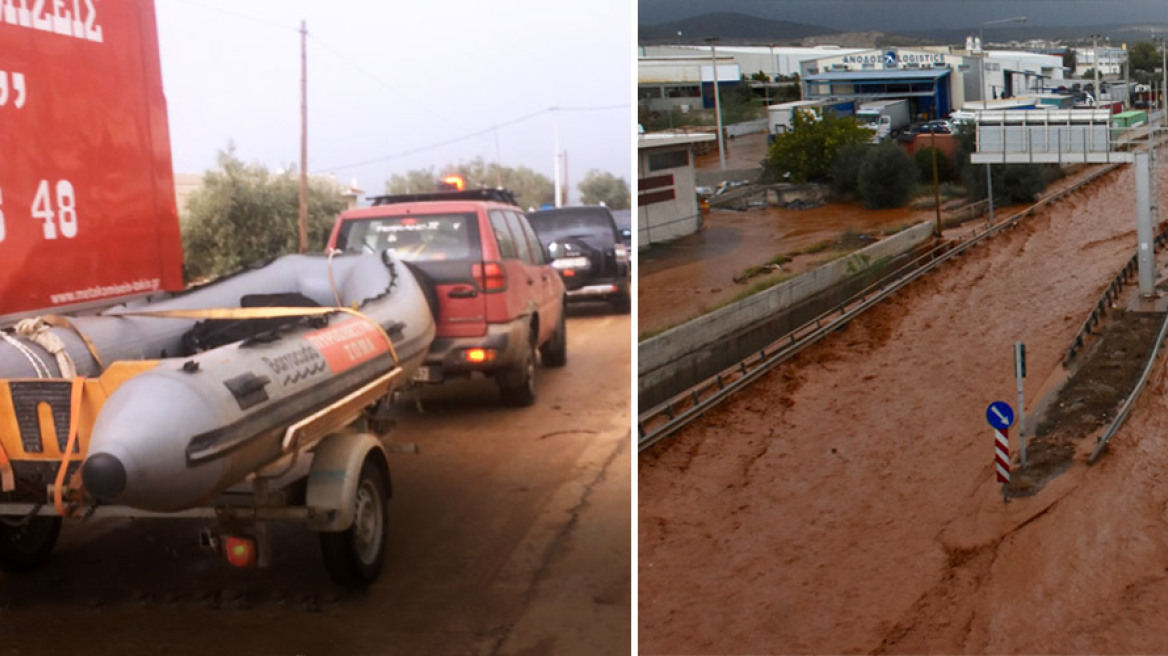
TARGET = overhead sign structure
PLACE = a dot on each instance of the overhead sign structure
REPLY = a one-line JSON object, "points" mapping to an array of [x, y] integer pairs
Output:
{"points": [[87, 206]]}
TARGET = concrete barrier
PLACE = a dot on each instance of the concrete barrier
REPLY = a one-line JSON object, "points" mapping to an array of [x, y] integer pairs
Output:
{"points": [[685, 355], [746, 127]]}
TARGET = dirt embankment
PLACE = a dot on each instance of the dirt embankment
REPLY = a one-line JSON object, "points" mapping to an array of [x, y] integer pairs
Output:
{"points": [[846, 502]]}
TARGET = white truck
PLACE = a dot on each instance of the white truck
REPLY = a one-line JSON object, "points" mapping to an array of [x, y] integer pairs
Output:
{"points": [[884, 117], [779, 116]]}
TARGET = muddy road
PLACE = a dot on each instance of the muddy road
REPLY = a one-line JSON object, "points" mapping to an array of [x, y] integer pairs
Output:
{"points": [[509, 534], [846, 502]]}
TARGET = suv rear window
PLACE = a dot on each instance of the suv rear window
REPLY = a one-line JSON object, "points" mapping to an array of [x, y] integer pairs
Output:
{"points": [[414, 238], [556, 224]]}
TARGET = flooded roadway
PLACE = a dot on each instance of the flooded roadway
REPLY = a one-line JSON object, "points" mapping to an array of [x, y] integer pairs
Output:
{"points": [[845, 503], [689, 276], [509, 534]]}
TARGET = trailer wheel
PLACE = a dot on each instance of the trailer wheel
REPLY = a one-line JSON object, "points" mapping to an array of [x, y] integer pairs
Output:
{"points": [[354, 556], [26, 543]]}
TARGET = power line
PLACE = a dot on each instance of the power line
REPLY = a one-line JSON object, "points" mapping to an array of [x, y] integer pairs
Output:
{"points": [[447, 142], [357, 65], [471, 135], [254, 19]]}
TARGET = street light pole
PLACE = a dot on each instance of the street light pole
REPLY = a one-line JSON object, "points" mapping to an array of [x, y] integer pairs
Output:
{"points": [[713, 40]]}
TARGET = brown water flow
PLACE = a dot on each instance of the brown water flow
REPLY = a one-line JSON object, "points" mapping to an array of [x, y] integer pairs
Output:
{"points": [[845, 503]]}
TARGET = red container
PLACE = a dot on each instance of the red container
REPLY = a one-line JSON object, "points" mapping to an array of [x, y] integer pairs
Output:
{"points": [[87, 208]]}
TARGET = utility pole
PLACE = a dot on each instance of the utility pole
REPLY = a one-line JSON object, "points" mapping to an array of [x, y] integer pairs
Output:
{"points": [[936, 182], [1127, 77], [713, 40], [556, 147], [1095, 57], [303, 137], [498, 159], [567, 185]]}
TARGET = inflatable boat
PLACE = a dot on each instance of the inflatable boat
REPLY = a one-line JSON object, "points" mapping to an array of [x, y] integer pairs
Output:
{"points": [[172, 401]]}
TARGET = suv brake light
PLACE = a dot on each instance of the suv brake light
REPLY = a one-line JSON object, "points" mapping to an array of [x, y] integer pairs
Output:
{"points": [[491, 276]]}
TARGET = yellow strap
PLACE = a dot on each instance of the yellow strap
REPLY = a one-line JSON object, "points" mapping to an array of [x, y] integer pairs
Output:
{"points": [[262, 313], [71, 442], [7, 478], [59, 321]]}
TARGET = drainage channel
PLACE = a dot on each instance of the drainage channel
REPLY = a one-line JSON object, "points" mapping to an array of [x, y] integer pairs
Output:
{"points": [[662, 420]]}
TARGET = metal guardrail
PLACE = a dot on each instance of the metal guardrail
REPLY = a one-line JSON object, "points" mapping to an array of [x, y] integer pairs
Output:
{"points": [[1130, 401], [664, 419]]}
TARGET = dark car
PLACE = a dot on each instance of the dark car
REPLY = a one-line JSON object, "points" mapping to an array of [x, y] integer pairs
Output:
{"points": [[495, 299], [585, 245], [624, 223]]}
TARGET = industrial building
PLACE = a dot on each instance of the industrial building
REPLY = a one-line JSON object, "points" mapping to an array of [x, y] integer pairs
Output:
{"points": [[937, 81], [1107, 59], [683, 81]]}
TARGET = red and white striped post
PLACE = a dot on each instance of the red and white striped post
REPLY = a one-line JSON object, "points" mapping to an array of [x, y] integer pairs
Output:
{"points": [[1002, 454], [1000, 417]]}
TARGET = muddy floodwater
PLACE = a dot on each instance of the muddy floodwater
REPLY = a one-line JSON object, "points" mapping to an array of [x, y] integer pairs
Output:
{"points": [[846, 502], [687, 277]]}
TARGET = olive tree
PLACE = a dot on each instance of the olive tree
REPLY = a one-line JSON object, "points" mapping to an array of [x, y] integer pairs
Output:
{"points": [[531, 189], [807, 151], [244, 213], [601, 187]]}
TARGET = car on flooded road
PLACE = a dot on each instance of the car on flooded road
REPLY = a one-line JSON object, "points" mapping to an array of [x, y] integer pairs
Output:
{"points": [[587, 248], [497, 301]]}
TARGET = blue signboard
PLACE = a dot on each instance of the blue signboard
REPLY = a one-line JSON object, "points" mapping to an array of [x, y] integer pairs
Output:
{"points": [[1000, 415]]}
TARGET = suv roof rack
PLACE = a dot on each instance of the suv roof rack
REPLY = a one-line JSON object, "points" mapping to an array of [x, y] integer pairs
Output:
{"points": [[497, 195]]}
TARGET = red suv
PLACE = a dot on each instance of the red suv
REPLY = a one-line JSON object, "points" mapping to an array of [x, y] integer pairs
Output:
{"points": [[495, 298]]}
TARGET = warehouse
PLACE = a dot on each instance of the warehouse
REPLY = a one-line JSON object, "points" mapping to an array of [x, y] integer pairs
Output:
{"points": [[936, 82]]}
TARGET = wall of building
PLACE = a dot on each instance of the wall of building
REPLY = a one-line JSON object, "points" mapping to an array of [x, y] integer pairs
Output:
{"points": [[1110, 60], [667, 206], [776, 61]]}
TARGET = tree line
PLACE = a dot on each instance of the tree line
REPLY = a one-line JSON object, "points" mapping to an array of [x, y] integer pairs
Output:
{"points": [[245, 213]]}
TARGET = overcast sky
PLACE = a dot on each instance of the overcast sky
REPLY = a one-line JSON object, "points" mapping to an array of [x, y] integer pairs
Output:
{"points": [[892, 15], [388, 81]]}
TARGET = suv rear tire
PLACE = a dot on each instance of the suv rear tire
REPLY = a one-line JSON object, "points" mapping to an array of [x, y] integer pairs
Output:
{"points": [[623, 302], [517, 385], [554, 352]]}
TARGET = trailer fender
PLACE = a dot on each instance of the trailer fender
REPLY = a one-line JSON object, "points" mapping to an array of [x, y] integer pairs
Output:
{"points": [[333, 478]]}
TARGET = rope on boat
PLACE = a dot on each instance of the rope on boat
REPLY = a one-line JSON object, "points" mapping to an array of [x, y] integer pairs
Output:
{"points": [[38, 365], [36, 330]]}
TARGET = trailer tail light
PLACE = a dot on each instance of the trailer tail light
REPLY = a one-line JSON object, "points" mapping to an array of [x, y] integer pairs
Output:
{"points": [[241, 551], [491, 276]]}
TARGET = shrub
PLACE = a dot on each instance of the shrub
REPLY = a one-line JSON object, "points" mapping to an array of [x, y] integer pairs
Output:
{"points": [[924, 162], [887, 177], [1013, 183], [845, 170]]}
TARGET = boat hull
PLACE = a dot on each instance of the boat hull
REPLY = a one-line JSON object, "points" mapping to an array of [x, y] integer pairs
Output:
{"points": [[182, 431]]}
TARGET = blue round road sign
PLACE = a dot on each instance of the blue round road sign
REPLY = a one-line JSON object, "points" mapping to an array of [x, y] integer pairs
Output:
{"points": [[1000, 415]]}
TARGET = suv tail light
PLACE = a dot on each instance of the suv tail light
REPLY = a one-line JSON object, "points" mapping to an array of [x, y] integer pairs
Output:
{"points": [[491, 276]]}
